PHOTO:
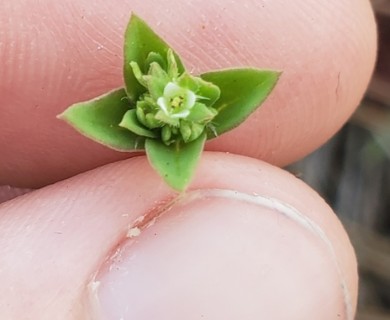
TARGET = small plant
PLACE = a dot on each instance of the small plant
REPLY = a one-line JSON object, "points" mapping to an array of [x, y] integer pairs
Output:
{"points": [[166, 111]]}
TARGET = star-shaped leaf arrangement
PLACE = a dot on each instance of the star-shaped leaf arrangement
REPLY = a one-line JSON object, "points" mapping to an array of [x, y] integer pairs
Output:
{"points": [[166, 111]]}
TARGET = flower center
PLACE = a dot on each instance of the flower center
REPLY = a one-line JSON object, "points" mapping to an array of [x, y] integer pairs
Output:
{"points": [[177, 102]]}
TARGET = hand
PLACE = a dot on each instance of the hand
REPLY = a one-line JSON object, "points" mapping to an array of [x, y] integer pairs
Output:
{"points": [[215, 254]]}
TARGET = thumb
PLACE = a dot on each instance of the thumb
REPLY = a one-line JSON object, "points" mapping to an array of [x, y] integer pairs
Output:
{"points": [[247, 241]]}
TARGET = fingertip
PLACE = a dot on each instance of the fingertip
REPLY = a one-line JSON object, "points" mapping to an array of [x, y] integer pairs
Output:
{"points": [[317, 45], [224, 255], [243, 225]]}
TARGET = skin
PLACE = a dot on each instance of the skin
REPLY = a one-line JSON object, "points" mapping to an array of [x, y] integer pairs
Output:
{"points": [[54, 54], [64, 253]]}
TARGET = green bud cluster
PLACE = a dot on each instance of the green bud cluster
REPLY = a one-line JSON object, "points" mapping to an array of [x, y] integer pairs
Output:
{"points": [[174, 107]]}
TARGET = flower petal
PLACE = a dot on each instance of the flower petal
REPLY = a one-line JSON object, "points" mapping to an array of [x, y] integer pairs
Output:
{"points": [[162, 104], [190, 99], [172, 89], [180, 115]]}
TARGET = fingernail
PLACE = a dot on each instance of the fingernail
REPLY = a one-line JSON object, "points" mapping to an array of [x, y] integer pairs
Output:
{"points": [[220, 255]]}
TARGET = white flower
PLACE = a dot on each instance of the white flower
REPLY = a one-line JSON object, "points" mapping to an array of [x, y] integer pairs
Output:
{"points": [[176, 101]]}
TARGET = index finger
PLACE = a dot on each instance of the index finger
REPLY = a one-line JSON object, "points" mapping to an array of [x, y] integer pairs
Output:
{"points": [[56, 53]]}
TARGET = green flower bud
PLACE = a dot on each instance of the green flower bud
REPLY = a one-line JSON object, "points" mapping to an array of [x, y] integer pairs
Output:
{"points": [[196, 130], [175, 130], [185, 130], [140, 113], [151, 122], [166, 134]]}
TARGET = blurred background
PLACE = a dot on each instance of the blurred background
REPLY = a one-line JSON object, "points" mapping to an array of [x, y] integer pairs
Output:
{"points": [[352, 173]]}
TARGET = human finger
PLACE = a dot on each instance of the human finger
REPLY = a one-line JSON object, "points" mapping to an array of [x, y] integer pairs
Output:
{"points": [[246, 241], [56, 53]]}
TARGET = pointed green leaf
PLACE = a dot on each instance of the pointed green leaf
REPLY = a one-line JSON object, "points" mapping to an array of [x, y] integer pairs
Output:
{"points": [[175, 163], [242, 92], [130, 122], [140, 41], [98, 120]]}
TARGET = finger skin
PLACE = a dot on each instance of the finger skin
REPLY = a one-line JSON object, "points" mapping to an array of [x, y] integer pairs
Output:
{"points": [[56, 53], [57, 244], [8, 193]]}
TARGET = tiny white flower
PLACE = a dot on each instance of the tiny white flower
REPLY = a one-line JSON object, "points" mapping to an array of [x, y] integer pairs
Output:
{"points": [[176, 101]]}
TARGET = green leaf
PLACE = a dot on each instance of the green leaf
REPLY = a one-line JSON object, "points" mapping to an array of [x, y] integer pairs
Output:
{"points": [[140, 41], [175, 163], [98, 120], [242, 92], [130, 122]]}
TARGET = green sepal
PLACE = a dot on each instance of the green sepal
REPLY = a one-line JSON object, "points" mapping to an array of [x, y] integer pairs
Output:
{"points": [[98, 120], [190, 130], [200, 113], [140, 41], [175, 163], [155, 57], [130, 122], [242, 92], [173, 66], [156, 80], [207, 92], [161, 116], [187, 81], [138, 74]]}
